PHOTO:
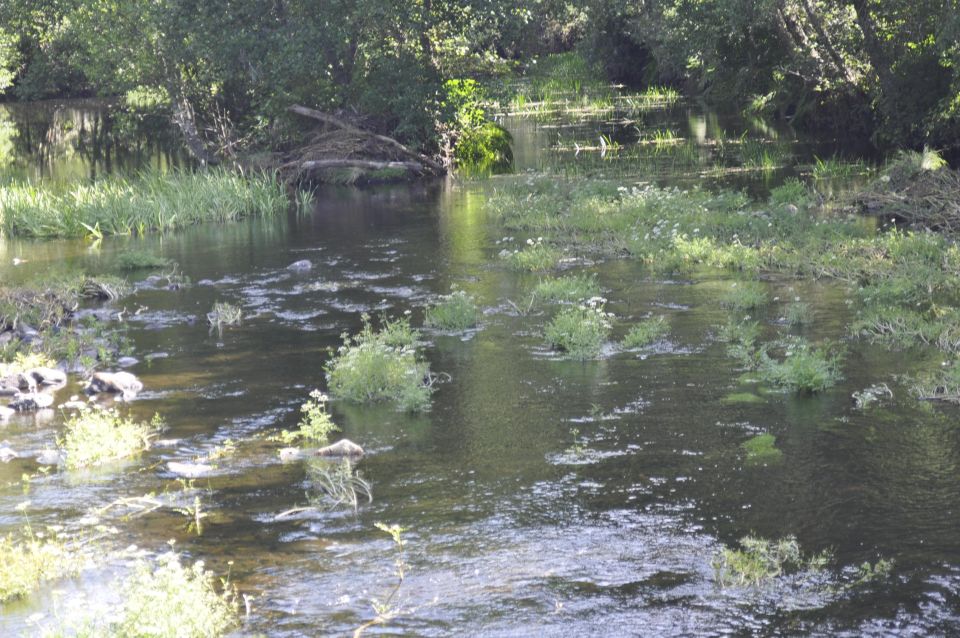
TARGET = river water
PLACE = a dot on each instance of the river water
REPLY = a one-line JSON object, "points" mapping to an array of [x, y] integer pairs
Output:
{"points": [[539, 497]]}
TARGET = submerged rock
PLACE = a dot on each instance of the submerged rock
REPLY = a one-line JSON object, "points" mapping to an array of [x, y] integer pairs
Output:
{"points": [[189, 470], [114, 383], [301, 266], [48, 376], [6, 413], [30, 401], [14, 383], [7, 453], [49, 457], [126, 362], [343, 447]]}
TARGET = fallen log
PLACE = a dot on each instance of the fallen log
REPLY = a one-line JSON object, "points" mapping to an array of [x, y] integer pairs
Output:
{"points": [[312, 165], [326, 118]]}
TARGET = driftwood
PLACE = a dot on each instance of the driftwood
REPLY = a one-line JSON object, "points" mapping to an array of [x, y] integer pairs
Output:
{"points": [[418, 162]]}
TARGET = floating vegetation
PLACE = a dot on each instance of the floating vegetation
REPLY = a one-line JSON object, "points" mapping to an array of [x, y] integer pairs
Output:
{"points": [[735, 398], [579, 332], [745, 295], [316, 425], [382, 365], [154, 201], [837, 168], [645, 332], [141, 260], [457, 311], [224, 314], [566, 289], [762, 449], [98, 435], [761, 560]]}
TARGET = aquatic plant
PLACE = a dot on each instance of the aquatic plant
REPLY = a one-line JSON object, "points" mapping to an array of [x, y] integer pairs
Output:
{"points": [[836, 167], [804, 368], [579, 332], [792, 191], [941, 385], [566, 289], [337, 484], [153, 201], [645, 332], [761, 560], [381, 365], [97, 435], [387, 608], [224, 314], [799, 313], [745, 295], [32, 558], [761, 449], [484, 149], [316, 425], [165, 599], [140, 260], [536, 256], [457, 311]]}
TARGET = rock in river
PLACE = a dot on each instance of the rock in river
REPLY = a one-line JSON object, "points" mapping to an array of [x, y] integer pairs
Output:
{"points": [[30, 401], [343, 447], [301, 266], [115, 383], [48, 376]]}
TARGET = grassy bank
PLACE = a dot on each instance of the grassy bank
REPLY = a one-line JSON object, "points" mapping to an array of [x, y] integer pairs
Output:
{"points": [[152, 202]]}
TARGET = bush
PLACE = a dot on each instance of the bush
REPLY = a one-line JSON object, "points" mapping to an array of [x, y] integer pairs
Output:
{"points": [[316, 425], [457, 311], [381, 366], [646, 332], [579, 332]]}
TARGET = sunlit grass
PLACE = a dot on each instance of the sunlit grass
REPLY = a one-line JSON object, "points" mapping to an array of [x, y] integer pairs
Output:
{"points": [[96, 436]]}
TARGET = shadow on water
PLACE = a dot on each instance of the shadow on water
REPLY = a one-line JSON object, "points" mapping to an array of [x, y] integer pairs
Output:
{"points": [[515, 524]]}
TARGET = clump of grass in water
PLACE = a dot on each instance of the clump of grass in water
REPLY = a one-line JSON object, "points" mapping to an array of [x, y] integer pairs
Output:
{"points": [[836, 167], [98, 435], [337, 484], [224, 314], [381, 365], [137, 260], [568, 289], [645, 332], [316, 425], [535, 257], [762, 449], [804, 369], [799, 314], [762, 560], [28, 561], [579, 332], [457, 311], [153, 201], [792, 191], [745, 295]]}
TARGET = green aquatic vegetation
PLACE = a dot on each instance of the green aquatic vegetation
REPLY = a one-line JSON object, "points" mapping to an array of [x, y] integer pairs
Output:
{"points": [[28, 560], [224, 314], [315, 425], [940, 385], [382, 365], [745, 295], [836, 167], [165, 599], [536, 256], [762, 155], [387, 607], [98, 435], [484, 149], [735, 398], [336, 484], [761, 560], [139, 260], [803, 368], [24, 361], [799, 313], [134, 206], [761, 449], [579, 332], [457, 311], [567, 289], [792, 191], [645, 332]]}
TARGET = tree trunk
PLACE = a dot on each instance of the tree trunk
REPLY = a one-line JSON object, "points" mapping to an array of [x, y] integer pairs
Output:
{"points": [[184, 118]]}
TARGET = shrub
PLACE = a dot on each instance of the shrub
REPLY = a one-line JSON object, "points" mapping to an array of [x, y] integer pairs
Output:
{"points": [[98, 435], [381, 366], [26, 563], [579, 332], [646, 332], [316, 425], [457, 311], [745, 295]]}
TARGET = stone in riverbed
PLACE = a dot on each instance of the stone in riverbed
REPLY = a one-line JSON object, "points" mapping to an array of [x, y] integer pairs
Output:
{"points": [[6, 413], [48, 376], [126, 362], [301, 266], [49, 457], [343, 447], [30, 402], [122, 383]]}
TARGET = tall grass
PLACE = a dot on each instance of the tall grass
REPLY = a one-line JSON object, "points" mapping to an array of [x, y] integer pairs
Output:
{"points": [[151, 202]]}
